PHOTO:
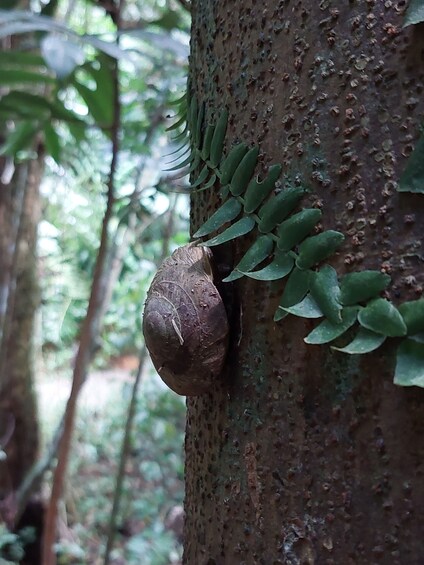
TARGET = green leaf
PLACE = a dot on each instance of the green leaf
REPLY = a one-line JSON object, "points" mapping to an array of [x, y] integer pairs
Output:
{"points": [[77, 130], [258, 252], [181, 101], [197, 128], [277, 269], [242, 227], [52, 140], [413, 315], [361, 286], [20, 59], [327, 331], [101, 112], [232, 161], [307, 308], [207, 141], [325, 290], [195, 163], [27, 105], [412, 178], [203, 175], [414, 13], [296, 287], [293, 230], [217, 143], [318, 247], [364, 342], [20, 138], [409, 369], [182, 164], [12, 76], [382, 317], [257, 191], [244, 172], [193, 113], [210, 182], [181, 121], [278, 207]]}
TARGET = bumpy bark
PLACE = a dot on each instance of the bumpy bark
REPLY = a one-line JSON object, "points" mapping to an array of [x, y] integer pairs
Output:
{"points": [[306, 455]]}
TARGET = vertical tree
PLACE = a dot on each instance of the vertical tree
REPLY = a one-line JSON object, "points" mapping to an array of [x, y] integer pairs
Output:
{"points": [[305, 454]]}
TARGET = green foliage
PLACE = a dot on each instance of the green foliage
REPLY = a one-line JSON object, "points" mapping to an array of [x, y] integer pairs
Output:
{"points": [[241, 227], [294, 230], [11, 547], [258, 252], [414, 13], [325, 290], [282, 238], [413, 315], [410, 364], [227, 212], [361, 286], [328, 331], [280, 267], [412, 178], [380, 316], [155, 470], [365, 341]]}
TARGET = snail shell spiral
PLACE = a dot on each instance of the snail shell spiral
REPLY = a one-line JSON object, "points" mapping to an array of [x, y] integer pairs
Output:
{"points": [[185, 323]]}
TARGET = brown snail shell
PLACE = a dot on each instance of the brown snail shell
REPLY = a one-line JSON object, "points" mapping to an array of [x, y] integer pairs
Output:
{"points": [[185, 323]]}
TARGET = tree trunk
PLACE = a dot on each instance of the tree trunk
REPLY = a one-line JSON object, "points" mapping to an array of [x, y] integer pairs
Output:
{"points": [[19, 213], [305, 454]]}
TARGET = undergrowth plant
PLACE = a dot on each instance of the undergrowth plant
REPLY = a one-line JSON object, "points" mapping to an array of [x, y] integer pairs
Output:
{"points": [[286, 246]]}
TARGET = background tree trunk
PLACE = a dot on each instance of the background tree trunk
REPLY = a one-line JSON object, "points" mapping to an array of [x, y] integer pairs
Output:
{"points": [[19, 213], [306, 455]]}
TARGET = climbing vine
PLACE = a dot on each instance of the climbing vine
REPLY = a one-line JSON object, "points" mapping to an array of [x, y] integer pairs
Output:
{"points": [[286, 246]]}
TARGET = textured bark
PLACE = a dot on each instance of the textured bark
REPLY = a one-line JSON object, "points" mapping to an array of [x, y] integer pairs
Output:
{"points": [[19, 212], [303, 454]]}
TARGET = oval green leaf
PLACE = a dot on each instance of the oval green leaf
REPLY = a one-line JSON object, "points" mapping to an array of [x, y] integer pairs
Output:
{"points": [[257, 253], [277, 269], [327, 331], [296, 287], [244, 172], [217, 143], [361, 286], [409, 369], [278, 207], [318, 247], [413, 315], [231, 162], [225, 213], [242, 227], [364, 342], [382, 317], [203, 175], [257, 191], [293, 230], [308, 308], [207, 141], [325, 290]]}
